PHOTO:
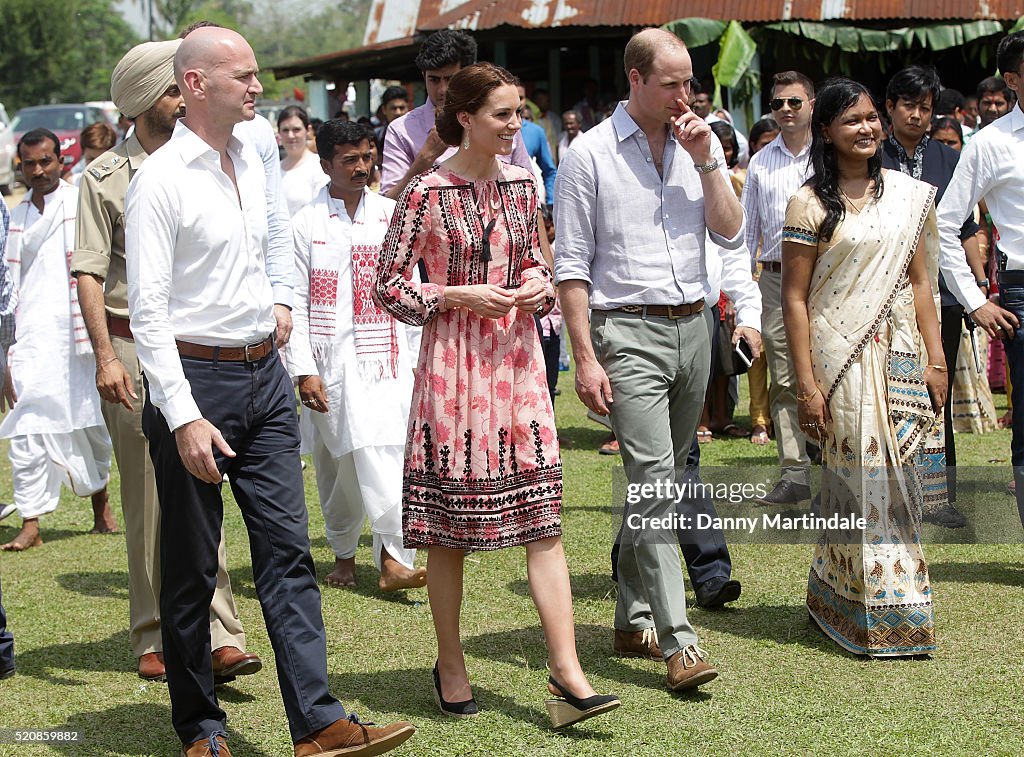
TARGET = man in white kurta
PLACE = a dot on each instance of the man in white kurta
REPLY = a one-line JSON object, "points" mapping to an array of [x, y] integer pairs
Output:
{"points": [[352, 361], [56, 431]]}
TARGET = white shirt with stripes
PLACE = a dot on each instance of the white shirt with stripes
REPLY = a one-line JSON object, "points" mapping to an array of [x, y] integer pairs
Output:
{"points": [[773, 176]]}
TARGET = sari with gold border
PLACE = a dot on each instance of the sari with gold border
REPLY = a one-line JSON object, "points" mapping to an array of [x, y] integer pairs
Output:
{"points": [[883, 454]]}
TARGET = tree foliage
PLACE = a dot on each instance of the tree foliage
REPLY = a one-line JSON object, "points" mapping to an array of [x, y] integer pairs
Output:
{"points": [[64, 50], [59, 50]]}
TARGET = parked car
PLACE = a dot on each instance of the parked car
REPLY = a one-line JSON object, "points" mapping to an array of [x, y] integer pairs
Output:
{"points": [[66, 121], [7, 171]]}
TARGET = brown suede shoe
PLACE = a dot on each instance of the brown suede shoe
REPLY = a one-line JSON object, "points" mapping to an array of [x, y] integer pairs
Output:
{"points": [[687, 669], [637, 644], [229, 662], [348, 736], [203, 748], [151, 667]]}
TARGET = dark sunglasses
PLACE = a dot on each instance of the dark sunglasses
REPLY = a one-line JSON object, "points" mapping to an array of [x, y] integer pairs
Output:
{"points": [[796, 103]]}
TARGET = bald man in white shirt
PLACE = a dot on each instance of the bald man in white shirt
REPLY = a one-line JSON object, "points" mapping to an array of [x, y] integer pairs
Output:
{"points": [[220, 401]]}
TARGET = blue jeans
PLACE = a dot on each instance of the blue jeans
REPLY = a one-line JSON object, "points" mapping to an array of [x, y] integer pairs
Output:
{"points": [[253, 406], [1011, 297]]}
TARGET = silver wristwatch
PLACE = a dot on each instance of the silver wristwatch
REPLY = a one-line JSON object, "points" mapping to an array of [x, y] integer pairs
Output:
{"points": [[707, 167]]}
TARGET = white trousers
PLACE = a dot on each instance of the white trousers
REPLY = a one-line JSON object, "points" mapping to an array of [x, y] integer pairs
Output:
{"points": [[365, 483], [40, 463]]}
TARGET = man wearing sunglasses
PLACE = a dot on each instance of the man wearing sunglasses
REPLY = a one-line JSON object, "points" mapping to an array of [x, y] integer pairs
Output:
{"points": [[775, 173]]}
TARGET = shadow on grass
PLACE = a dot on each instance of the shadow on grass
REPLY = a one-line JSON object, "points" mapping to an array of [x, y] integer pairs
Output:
{"points": [[524, 648], [583, 438], [49, 534], [58, 662], [1008, 574], [410, 692], [106, 584], [784, 624], [584, 586], [135, 729]]}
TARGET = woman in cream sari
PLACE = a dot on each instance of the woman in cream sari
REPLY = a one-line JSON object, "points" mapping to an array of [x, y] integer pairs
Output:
{"points": [[859, 261]]}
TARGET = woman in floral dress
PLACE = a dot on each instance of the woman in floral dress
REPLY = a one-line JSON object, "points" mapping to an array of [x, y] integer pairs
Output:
{"points": [[482, 468]]}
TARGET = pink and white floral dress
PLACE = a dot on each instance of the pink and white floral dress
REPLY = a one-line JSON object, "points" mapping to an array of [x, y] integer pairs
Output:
{"points": [[482, 467]]}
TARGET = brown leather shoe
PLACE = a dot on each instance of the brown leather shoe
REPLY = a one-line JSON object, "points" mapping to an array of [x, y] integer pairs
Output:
{"points": [[203, 748], [229, 662], [637, 644], [151, 667], [348, 736], [687, 669]]}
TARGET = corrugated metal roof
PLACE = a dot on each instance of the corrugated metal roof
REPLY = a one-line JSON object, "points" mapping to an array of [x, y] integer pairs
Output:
{"points": [[488, 14]]}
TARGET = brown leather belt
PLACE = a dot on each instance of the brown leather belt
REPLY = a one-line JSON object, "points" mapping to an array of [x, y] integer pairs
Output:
{"points": [[771, 265], [662, 311], [119, 327], [250, 353]]}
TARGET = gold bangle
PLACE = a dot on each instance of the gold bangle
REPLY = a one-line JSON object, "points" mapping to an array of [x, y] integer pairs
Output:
{"points": [[107, 362], [807, 397], [941, 368]]}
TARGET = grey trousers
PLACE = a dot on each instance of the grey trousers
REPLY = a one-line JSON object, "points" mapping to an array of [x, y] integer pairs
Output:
{"points": [[793, 459], [658, 370]]}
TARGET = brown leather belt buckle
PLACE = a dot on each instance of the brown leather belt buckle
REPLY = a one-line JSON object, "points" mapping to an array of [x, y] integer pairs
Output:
{"points": [[253, 357]]}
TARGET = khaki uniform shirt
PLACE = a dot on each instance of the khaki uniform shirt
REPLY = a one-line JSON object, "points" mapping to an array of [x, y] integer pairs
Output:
{"points": [[99, 234]]}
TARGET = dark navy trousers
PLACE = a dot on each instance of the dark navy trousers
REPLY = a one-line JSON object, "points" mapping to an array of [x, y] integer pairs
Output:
{"points": [[6, 639], [253, 406], [704, 551], [1011, 297]]}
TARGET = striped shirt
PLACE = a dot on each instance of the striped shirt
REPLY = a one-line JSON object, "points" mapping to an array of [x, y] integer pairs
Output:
{"points": [[773, 176]]}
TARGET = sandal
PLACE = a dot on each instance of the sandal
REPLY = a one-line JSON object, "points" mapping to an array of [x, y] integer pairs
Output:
{"points": [[759, 435], [734, 431], [704, 435]]}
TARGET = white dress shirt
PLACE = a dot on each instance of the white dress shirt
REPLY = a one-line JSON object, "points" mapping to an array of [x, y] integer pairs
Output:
{"points": [[991, 168], [280, 252], [196, 260], [773, 177], [634, 237]]}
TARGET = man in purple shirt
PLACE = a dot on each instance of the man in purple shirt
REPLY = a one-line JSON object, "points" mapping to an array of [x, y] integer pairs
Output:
{"points": [[411, 145]]}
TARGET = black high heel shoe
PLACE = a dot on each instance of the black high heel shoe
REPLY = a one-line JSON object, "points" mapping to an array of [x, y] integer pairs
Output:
{"points": [[464, 709], [569, 709]]}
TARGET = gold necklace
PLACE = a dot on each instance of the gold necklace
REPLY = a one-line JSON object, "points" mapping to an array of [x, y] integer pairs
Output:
{"points": [[849, 199]]}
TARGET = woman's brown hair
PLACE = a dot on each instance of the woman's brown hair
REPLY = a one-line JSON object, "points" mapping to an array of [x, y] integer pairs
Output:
{"points": [[467, 92]]}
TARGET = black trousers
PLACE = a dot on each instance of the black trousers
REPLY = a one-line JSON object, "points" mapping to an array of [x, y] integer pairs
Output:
{"points": [[253, 406], [704, 550], [952, 323], [551, 344]]}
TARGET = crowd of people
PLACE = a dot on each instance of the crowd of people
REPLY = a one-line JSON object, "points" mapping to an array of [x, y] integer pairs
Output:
{"points": [[414, 281]]}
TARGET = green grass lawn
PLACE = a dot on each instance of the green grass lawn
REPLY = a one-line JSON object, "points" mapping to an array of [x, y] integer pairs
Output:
{"points": [[783, 689]]}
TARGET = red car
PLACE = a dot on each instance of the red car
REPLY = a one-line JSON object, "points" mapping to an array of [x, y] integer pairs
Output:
{"points": [[66, 121]]}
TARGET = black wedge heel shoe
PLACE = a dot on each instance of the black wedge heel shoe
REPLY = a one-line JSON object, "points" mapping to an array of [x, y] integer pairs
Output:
{"points": [[569, 709], [465, 709]]}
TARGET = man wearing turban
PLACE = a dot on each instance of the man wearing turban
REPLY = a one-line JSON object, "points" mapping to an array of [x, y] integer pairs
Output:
{"points": [[143, 88]]}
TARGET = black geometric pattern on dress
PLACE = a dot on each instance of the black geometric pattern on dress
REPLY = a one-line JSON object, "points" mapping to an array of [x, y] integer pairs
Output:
{"points": [[481, 514], [538, 445], [467, 471], [428, 448], [502, 437]]}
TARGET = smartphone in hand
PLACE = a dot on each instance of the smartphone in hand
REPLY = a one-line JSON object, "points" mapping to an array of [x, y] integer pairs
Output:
{"points": [[743, 352]]}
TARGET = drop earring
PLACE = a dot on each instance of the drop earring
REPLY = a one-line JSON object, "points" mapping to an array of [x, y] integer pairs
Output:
{"points": [[465, 142]]}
